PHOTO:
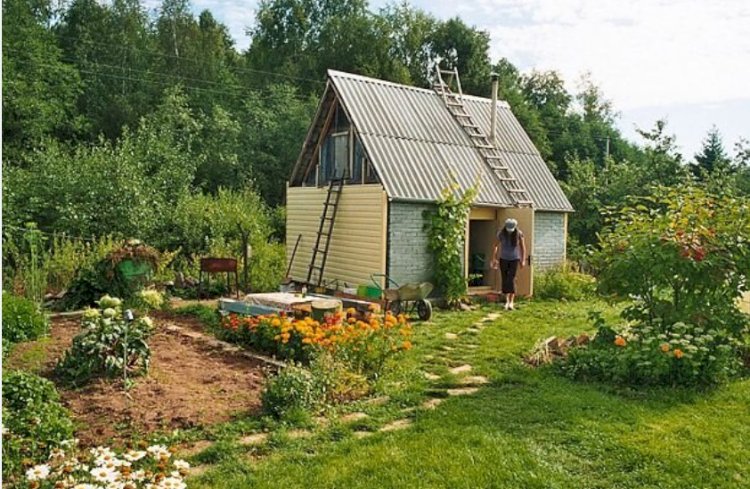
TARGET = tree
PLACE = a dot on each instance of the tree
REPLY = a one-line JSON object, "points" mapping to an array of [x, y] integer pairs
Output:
{"points": [[662, 163], [453, 44], [39, 88], [712, 157]]}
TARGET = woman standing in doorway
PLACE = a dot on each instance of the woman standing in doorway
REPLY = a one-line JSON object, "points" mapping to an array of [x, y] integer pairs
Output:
{"points": [[510, 251]]}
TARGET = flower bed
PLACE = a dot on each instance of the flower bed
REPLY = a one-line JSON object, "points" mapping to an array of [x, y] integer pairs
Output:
{"points": [[101, 467], [364, 342]]}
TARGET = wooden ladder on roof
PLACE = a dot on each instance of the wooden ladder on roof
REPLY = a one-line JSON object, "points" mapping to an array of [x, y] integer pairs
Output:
{"points": [[489, 152], [325, 230]]}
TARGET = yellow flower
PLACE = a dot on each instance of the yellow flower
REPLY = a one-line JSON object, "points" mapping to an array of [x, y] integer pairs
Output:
{"points": [[665, 347], [678, 353], [275, 323]]}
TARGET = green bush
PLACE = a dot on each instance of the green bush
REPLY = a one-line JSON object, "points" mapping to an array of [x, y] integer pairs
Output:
{"points": [[680, 355], [564, 284], [293, 389], [35, 421], [22, 319], [108, 345]]}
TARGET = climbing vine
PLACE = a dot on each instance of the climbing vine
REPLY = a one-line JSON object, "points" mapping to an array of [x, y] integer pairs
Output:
{"points": [[446, 229]]}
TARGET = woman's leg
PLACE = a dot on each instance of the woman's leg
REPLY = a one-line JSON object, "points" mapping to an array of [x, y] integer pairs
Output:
{"points": [[512, 270], [506, 287]]}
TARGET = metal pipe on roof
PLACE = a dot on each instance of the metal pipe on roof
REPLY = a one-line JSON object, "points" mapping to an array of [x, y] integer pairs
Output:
{"points": [[493, 115]]}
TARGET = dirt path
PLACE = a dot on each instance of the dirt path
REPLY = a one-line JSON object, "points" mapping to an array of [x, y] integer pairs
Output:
{"points": [[188, 385]]}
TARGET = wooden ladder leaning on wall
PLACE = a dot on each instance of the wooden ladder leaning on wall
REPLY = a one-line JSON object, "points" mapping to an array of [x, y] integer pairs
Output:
{"points": [[323, 239], [489, 152]]}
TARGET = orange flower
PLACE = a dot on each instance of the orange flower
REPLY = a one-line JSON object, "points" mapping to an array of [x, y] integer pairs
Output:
{"points": [[406, 345], [665, 347], [678, 353], [620, 341]]}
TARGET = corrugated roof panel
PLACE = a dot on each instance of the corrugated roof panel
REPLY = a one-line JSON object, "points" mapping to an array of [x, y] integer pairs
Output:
{"points": [[415, 144]]}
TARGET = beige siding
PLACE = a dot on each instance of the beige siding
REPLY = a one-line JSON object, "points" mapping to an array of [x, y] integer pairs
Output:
{"points": [[745, 303], [358, 243]]}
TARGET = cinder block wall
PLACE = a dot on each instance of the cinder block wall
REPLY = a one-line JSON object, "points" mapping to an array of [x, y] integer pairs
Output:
{"points": [[549, 240], [409, 259]]}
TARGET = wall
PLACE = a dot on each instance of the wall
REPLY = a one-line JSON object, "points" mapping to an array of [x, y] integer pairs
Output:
{"points": [[745, 303], [550, 229], [358, 246], [409, 259]]}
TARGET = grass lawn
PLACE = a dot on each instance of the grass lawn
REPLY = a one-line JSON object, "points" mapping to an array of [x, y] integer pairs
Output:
{"points": [[526, 428]]}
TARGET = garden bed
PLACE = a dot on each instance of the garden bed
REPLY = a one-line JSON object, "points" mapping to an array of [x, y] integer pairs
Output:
{"points": [[189, 384]]}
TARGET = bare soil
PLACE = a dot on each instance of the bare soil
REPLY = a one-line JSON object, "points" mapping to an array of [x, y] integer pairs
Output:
{"points": [[188, 385]]}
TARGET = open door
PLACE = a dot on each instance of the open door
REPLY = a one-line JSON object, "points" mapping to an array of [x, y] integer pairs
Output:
{"points": [[525, 218]]}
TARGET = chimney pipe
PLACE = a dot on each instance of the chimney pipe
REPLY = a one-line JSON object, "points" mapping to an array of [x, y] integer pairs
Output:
{"points": [[493, 115]]}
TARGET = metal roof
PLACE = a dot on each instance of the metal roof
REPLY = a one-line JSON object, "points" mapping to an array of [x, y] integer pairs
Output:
{"points": [[415, 144]]}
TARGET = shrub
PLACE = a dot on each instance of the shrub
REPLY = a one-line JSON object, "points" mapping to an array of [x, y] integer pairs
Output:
{"points": [[34, 421], [681, 354], [293, 388], [22, 319], [564, 284], [108, 345]]}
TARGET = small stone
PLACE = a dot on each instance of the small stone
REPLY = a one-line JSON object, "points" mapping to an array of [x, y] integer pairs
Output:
{"points": [[297, 434], [462, 391], [351, 417], [431, 376], [472, 347], [492, 316], [254, 439], [321, 420], [378, 401], [447, 348], [473, 330], [432, 403], [399, 424], [451, 336], [475, 380], [461, 369]]}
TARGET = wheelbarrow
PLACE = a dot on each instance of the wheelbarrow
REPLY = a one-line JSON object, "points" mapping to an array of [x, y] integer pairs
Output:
{"points": [[406, 298]]}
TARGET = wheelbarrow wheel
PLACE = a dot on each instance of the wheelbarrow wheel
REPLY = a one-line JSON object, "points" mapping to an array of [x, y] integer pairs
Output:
{"points": [[424, 310], [395, 307]]}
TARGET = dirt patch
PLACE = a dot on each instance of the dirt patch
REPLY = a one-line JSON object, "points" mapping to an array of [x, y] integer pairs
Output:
{"points": [[188, 385]]}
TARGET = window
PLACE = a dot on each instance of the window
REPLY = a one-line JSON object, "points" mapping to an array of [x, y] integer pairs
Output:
{"points": [[335, 157]]}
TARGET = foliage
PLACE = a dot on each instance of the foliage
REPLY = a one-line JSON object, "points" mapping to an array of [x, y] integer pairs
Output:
{"points": [[107, 275], [34, 421], [22, 319], [294, 388], [564, 284], [712, 156], [684, 255], [148, 300], [446, 227], [680, 354], [102, 467], [109, 345]]}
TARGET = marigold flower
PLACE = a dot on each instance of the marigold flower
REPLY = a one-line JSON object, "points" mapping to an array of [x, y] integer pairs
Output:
{"points": [[620, 341], [665, 347], [678, 353]]}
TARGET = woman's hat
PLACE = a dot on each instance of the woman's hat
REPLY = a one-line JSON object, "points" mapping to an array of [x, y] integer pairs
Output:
{"points": [[510, 224]]}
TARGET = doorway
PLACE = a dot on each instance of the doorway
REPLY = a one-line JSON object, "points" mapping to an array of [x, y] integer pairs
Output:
{"points": [[481, 241]]}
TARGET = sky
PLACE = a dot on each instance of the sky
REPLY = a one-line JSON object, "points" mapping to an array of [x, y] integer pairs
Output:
{"points": [[684, 60]]}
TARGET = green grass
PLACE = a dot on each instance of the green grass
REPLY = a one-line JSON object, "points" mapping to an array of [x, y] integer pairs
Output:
{"points": [[528, 428]]}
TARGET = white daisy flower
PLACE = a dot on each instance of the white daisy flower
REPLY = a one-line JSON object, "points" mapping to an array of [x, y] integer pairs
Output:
{"points": [[86, 485], [159, 451], [56, 453], [172, 483], [138, 475], [134, 455], [38, 472], [103, 474], [181, 465]]}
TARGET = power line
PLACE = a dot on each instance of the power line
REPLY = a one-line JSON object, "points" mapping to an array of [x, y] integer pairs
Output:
{"points": [[173, 56]]}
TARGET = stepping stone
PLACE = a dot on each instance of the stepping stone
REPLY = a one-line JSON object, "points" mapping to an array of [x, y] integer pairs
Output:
{"points": [[254, 439], [473, 330], [321, 421], [197, 470], [298, 434], [195, 448], [472, 347], [399, 424], [351, 417], [362, 434], [492, 316], [462, 391], [430, 376], [451, 336], [475, 380], [461, 369], [408, 410], [378, 401], [429, 357], [447, 348], [432, 403]]}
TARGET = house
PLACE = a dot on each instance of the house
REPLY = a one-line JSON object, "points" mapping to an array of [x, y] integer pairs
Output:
{"points": [[397, 147]]}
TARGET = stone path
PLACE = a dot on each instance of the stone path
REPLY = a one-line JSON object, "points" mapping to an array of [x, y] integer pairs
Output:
{"points": [[254, 439]]}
